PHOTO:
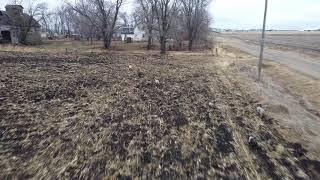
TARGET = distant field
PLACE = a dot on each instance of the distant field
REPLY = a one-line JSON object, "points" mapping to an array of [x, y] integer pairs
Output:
{"points": [[305, 42]]}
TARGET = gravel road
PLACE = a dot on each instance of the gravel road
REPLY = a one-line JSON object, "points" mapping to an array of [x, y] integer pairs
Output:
{"points": [[299, 62]]}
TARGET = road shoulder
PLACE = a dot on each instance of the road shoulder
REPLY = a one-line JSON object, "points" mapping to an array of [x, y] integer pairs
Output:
{"points": [[290, 97]]}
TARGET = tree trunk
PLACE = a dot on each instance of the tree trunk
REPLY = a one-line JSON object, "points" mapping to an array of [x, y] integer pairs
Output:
{"points": [[162, 45], [69, 33], [190, 38], [190, 45], [149, 39], [107, 42]]}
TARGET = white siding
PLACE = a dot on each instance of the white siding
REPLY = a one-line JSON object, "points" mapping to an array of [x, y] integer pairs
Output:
{"points": [[137, 36]]}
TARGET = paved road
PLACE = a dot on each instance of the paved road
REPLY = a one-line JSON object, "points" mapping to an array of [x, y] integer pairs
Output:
{"points": [[304, 64]]}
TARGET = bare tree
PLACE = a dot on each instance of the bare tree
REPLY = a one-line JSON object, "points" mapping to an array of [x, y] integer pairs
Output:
{"points": [[177, 32], [45, 16], [66, 17], [145, 17], [62, 21], [101, 13], [165, 10], [125, 18], [195, 17]]}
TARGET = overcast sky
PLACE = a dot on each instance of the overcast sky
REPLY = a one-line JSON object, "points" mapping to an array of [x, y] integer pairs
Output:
{"points": [[282, 14], [248, 14]]}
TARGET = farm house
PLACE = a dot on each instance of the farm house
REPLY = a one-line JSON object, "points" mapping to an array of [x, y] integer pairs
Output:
{"points": [[132, 32]]}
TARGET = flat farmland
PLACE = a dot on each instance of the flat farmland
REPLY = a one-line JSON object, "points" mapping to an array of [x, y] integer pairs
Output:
{"points": [[300, 51], [303, 42], [136, 115]]}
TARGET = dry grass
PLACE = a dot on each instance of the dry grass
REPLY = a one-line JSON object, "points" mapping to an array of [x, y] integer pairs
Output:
{"points": [[69, 47], [135, 115], [291, 97]]}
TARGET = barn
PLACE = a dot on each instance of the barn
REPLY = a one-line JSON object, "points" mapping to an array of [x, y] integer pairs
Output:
{"points": [[18, 27]]}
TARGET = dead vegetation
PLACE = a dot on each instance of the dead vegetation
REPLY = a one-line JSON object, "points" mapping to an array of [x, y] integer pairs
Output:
{"points": [[289, 96], [135, 115]]}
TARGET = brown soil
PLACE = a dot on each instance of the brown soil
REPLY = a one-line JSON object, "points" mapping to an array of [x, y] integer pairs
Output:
{"points": [[307, 43], [126, 116]]}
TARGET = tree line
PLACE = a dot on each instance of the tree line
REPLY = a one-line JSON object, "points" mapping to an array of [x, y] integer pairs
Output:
{"points": [[165, 21], [175, 19]]}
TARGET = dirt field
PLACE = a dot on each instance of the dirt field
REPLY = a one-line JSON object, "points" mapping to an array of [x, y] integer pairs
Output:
{"points": [[297, 59], [136, 115], [303, 42]]}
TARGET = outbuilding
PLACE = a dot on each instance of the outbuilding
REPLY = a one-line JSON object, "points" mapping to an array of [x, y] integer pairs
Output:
{"points": [[18, 27]]}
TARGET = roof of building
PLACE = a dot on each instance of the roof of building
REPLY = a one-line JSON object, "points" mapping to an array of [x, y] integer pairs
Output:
{"points": [[18, 20], [13, 6], [5, 19], [127, 30], [24, 21]]}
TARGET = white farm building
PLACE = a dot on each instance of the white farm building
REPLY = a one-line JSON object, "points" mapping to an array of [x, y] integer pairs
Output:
{"points": [[132, 32]]}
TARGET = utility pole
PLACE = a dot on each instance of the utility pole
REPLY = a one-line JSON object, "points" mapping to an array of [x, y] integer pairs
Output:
{"points": [[262, 41]]}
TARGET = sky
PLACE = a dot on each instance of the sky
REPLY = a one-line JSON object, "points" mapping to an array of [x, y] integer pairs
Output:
{"points": [[282, 14], [248, 14]]}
